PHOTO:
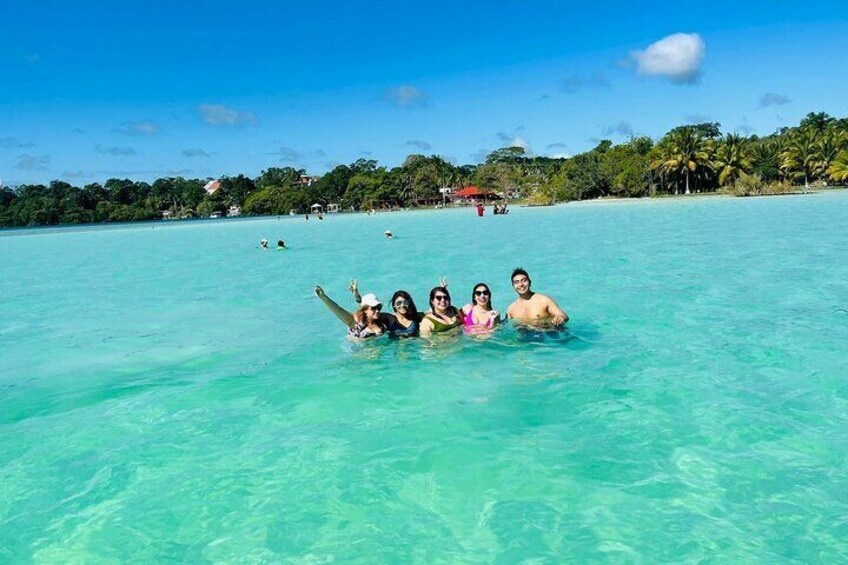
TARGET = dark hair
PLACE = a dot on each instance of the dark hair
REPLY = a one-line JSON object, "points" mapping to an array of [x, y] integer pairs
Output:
{"points": [[281, 243], [519, 271], [437, 289], [413, 311], [474, 288]]}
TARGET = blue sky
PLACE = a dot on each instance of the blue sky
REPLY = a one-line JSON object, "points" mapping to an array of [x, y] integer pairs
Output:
{"points": [[143, 90]]}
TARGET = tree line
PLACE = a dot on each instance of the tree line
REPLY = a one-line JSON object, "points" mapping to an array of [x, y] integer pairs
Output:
{"points": [[689, 158]]}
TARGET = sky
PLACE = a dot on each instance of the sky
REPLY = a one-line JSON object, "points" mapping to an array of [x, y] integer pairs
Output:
{"points": [[149, 89]]}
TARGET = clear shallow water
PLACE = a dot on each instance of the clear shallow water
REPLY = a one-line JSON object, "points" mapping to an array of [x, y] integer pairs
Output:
{"points": [[173, 392]]}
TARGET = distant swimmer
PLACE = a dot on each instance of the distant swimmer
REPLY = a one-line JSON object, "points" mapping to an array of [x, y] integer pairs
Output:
{"points": [[532, 308], [281, 245], [263, 243], [388, 234]]}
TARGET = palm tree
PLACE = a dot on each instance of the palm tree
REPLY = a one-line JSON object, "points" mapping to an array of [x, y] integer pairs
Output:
{"points": [[732, 158], [829, 147], [765, 158], [801, 153], [838, 170], [818, 121], [685, 152]]}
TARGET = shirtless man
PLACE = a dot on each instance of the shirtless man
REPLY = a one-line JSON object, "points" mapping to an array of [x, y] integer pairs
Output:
{"points": [[531, 308]]}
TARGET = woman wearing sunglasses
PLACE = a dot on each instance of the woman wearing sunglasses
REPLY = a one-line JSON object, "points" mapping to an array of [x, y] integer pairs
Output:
{"points": [[405, 322], [365, 322], [442, 316], [479, 316]]}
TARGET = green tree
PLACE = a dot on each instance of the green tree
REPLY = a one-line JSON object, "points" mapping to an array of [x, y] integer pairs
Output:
{"points": [[838, 170], [801, 154], [684, 153], [732, 159]]}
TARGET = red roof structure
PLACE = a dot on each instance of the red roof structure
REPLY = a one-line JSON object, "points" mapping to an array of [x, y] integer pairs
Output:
{"points": [[472, 191]]}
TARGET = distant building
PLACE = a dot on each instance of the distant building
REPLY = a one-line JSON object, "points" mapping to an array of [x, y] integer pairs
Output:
{"points": [[472, 193], [214, 215], [167, 215], [234, 211], [212, 186], [306, 180]]}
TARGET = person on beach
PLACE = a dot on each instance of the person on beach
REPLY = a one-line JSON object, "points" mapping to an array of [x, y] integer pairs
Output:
{"points": [[406, 319], [478, 316], [532, 308], [365, 322], [442, 316]]}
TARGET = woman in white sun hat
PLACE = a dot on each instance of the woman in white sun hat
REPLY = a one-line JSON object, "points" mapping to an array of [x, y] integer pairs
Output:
{"points": [[365, 322]]}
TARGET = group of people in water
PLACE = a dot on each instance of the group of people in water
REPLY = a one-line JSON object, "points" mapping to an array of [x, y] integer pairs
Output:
{"points": [[263, 244], [531, 309]]}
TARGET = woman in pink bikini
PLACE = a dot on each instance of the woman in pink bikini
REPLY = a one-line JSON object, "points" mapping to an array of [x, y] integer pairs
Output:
{"points": [[479, 316]]}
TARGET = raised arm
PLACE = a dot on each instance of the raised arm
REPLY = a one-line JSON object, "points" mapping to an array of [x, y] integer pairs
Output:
{"points": [[340, 313], [354, 289]]}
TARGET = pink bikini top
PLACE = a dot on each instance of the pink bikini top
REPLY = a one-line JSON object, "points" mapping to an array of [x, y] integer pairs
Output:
{"points": [[468, 320]]}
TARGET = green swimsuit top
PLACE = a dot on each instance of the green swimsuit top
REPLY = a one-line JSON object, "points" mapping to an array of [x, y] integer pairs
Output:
{"points": [[439, 326]]}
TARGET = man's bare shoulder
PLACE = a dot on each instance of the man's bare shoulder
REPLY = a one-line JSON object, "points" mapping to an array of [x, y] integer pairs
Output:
{"points": [[512, 307], [539, 297]]}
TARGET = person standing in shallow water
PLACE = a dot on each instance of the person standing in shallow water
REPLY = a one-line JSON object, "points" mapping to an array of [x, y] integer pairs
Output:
{"points": [[532, 308]]}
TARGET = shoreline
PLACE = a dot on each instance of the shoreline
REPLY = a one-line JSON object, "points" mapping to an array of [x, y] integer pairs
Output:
{"points": [[11, 231]]}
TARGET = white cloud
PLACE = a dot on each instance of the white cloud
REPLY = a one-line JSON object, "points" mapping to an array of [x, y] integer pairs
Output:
{"points": [[14, 143], [406, 96], [697, 118], [576, 83], [217, 115], [522, 143], [560, 156], [288, 155], [423, 145], [773, 99], [621, 128], [677, 57], [195, 153], [33, 162], [143, 127], [116, 151]]}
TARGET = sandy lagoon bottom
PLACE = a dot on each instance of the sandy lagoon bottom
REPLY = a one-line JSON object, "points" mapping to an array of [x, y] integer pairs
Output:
{"points": [[171, 392]]}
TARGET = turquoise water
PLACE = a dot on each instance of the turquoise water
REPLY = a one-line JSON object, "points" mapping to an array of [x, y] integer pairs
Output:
{"points": [[172, 392]]}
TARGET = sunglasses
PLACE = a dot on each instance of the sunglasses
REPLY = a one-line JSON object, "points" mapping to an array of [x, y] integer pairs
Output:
{"points": [[481, 293], [402, 304], [442, 297], [375, 308]]}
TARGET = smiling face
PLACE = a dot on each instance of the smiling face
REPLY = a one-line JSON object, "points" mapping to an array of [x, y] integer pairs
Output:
{"points": [[401, 305], [372, 313], [482, 295], [521, 283], [441, 302]]}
